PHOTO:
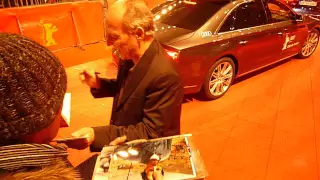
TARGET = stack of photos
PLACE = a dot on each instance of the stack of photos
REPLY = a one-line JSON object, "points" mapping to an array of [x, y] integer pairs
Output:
{"points": [[171, 156]]}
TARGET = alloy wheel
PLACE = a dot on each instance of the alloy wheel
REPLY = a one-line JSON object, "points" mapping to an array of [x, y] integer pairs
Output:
{"points": [[221, 78], [311, 44]]}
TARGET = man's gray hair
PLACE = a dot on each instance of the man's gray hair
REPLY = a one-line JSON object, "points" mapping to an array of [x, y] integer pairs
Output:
{"points": [[137, 14]]}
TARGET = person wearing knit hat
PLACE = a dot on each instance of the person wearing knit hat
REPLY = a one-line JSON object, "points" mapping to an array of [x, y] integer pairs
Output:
{"points": [[32, 87]]}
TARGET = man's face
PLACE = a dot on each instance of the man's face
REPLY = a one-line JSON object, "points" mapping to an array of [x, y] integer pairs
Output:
{"points": [[122, 40]]}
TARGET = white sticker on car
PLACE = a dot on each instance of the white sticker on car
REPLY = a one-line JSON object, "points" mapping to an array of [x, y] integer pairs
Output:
{"points": [[289, 42]]}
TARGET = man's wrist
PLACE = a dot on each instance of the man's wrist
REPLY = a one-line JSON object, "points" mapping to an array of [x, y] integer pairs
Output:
{"points": [[98, 83]]}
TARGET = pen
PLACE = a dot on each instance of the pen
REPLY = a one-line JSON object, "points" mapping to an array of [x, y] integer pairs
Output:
{"points": [[78, 69]]}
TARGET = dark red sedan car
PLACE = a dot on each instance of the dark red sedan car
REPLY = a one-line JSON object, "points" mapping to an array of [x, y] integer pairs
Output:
{"points": [[216, 41]]}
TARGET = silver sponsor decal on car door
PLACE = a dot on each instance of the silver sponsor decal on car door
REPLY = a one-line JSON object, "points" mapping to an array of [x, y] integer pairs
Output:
{"points": [[289, 42]]}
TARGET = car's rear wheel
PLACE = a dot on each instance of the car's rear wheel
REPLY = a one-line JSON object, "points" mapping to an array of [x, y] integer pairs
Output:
{"points": [[310, 45], [218, 79]]}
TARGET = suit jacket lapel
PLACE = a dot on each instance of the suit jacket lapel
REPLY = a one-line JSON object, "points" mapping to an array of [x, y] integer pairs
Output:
{"points": [[139, 72], [120, 79]]}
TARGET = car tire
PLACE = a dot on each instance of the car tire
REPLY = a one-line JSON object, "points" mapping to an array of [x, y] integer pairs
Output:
{"points": [[218, 79], [310, 45]]}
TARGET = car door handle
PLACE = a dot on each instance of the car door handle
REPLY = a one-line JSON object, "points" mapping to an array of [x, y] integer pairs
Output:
{"points": [[280, 33], [243, 42]]}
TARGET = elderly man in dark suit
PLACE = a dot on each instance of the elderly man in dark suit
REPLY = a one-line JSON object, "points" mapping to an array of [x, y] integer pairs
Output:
{"points": [[147, 93]]}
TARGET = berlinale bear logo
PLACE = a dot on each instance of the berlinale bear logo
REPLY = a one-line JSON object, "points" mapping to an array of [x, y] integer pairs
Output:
{"points": [[288, 42], [48, 29]]}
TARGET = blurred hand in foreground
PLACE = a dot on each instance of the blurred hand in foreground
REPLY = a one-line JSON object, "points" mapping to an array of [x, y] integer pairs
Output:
{"points": [[80, 144]]}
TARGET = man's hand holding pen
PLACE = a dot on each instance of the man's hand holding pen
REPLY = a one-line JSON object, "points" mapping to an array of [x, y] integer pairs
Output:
{"points": [[89, 78]]}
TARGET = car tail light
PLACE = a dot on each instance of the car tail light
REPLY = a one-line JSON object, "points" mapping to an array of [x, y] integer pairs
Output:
{"points": [[173, 54]]}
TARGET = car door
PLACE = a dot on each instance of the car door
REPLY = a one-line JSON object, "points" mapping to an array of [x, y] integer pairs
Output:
{"points": [[256, 43], [293, 32]]}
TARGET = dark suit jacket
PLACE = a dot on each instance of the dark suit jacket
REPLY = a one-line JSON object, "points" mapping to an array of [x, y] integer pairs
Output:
{"points": [[150, 104]]}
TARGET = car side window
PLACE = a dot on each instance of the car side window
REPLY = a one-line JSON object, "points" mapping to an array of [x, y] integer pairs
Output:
{"points": [[228, 24], [279, 12], [245, 16], [250, 15]]}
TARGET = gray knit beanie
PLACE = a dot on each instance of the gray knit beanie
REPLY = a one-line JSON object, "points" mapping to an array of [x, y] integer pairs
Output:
{"points": [[32, 87]]}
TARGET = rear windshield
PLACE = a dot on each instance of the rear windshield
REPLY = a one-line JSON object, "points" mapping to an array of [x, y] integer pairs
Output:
{"points": [[186, 15]]}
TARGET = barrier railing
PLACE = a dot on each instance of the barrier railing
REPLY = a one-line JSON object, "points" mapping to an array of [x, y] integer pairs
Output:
{"points": [[58, 26], [23, 3]]}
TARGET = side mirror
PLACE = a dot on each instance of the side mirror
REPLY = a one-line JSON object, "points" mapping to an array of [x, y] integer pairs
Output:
{"points": [[299, 18]]}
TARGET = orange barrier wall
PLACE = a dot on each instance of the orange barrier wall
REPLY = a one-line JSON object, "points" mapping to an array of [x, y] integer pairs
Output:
{"points": [[60, 27]]}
